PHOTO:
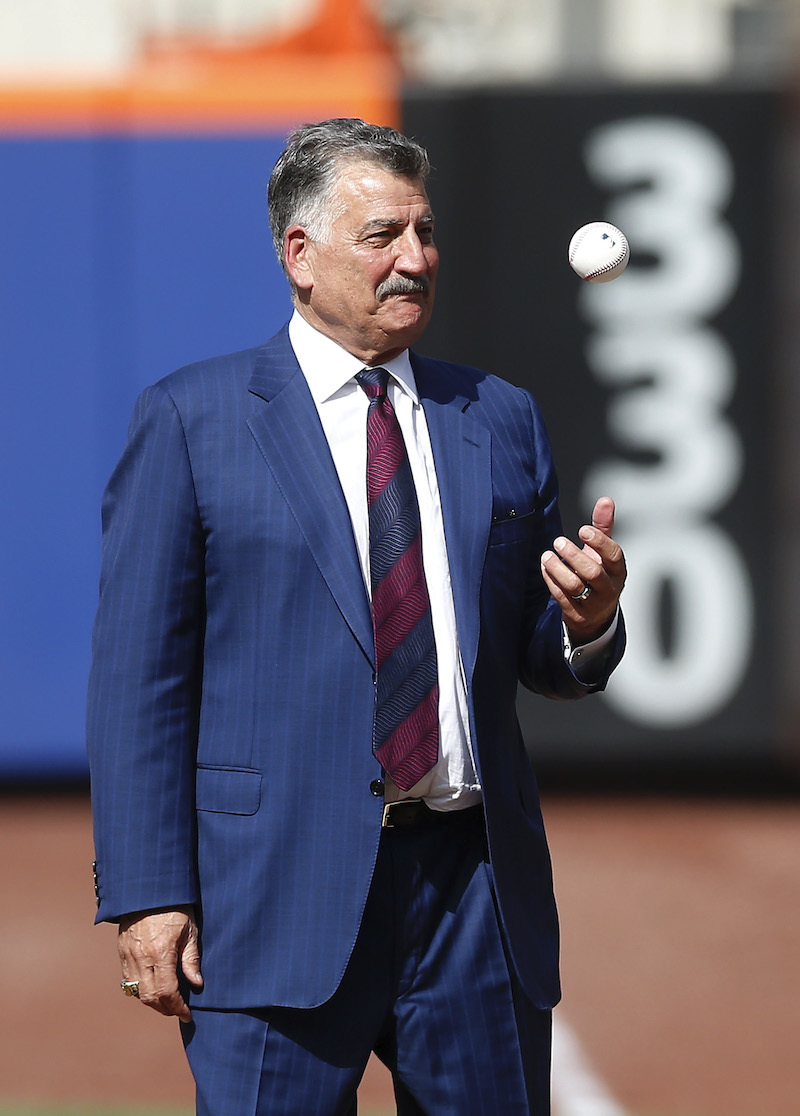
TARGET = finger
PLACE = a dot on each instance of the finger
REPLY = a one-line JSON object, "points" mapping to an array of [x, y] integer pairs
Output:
{"points": [[603, 515], [569, 572], [158, 988], [190, 960], [585, 617], [600, 547], [561, 579], [587, 562], [163, 994], [582, 617]]}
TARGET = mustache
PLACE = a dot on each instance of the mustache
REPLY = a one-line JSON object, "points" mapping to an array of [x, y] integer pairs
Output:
{"points": [[401, 284]]}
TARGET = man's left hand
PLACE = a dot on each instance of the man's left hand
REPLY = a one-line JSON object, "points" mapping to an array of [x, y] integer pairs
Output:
{"points": [[599, 566]]}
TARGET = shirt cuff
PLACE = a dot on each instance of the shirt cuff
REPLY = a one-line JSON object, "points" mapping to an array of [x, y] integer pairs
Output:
{"points": [[587, 660]]}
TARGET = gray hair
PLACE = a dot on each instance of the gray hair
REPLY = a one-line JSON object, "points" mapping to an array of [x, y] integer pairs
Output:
{"points": [[303, 181]]}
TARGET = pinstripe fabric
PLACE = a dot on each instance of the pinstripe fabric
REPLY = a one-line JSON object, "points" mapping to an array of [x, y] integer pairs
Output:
{"points": [[406, 740], [231, 697], [428, 987]]}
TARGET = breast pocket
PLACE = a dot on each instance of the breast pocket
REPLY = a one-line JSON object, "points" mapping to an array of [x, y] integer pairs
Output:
{"points": [[510, 527]]}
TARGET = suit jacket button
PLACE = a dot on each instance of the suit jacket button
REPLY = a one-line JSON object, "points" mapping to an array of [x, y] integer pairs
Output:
{"points": [[377, 787]]}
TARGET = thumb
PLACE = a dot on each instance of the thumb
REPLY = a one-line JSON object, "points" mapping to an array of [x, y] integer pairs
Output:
{"points": [[190, 959], [603, 515]]}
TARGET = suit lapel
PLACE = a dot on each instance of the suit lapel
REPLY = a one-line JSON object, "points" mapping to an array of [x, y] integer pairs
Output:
{"points": [[286, 426], [462, 455]]}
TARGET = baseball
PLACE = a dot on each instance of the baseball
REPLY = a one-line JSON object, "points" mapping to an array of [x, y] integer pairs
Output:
{"points": [[599, 252]]}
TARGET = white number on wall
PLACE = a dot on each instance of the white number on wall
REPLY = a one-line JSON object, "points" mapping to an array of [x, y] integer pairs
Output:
{"points": [[671, 376]]}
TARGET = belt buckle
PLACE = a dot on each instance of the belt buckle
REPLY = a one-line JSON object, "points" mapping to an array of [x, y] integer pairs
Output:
{"points": [[393, 812]]}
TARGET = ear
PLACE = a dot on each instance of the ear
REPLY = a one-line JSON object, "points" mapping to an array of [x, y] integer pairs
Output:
{"points": [[296, 253]]}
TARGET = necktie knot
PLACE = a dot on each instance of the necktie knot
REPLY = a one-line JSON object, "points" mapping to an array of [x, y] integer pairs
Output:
{"points": [[374, 381]]}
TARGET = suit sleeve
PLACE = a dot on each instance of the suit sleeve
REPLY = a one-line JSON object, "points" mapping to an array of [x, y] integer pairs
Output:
{"points": [[543, 666], [144, 690]]}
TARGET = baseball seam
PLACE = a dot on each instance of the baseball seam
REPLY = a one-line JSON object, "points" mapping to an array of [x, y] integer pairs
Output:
{"points": [[608, 267]]}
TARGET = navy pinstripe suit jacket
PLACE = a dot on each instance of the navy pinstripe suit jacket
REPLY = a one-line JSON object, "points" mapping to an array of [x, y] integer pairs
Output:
{"points": [[231, 695]]}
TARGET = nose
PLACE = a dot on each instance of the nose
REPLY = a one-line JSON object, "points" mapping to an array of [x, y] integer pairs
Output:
{"points": [[411, 258]]}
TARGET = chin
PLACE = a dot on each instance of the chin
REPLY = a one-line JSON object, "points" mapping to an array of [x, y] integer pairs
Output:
{"points": [[409, 315]]}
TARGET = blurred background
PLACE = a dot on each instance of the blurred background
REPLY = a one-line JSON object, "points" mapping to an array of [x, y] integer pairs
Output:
{"points": [[136, 139]]}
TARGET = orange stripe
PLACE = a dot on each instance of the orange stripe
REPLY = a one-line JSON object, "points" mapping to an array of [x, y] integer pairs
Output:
{"points": [[270, 93]]}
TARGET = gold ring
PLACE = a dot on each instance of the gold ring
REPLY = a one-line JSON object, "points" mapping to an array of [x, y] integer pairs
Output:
{"points": [[130, 987], [584, 594]]}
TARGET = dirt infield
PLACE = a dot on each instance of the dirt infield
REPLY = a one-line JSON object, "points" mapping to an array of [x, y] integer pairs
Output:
{"points": [[681, 960]]}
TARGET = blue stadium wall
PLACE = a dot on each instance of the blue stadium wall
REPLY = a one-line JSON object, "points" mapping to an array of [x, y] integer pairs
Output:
{"points": [[122, 258]]}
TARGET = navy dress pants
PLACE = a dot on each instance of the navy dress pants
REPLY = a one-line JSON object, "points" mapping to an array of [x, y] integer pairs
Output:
{"points": [[428, 988]]}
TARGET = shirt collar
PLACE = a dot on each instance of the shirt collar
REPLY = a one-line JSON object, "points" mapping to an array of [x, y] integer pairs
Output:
{"points": [[329, 369]]}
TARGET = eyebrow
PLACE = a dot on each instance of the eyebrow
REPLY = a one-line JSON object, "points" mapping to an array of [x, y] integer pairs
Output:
{"points": [[382, 222]]}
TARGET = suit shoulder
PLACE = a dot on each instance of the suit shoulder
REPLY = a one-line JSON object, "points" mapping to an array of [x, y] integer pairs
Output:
{"points": [[473, 383], [230, 367]]}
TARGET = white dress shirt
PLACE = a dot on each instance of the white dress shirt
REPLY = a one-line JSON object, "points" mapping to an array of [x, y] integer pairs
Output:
{"points": [[342, 406]]}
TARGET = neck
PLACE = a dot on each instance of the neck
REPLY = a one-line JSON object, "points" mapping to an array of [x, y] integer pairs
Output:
{"points": [[369, 356]]}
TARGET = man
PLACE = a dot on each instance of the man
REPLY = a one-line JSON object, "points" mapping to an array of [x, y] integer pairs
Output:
{"points": [[327, 563]]}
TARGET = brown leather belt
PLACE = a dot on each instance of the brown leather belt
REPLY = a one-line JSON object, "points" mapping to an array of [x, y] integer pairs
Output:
{"points": [[413, 812]]}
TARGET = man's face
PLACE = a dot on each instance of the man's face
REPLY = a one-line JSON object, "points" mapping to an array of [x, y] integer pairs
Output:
{"points": [[370, 286]]}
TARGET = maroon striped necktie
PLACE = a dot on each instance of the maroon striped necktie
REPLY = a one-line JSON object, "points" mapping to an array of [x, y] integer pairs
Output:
{"points": [[406, 735]]}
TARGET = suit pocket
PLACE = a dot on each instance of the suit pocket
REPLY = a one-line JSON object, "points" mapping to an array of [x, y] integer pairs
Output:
{"points": [[227, 790], [512, 529]]}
